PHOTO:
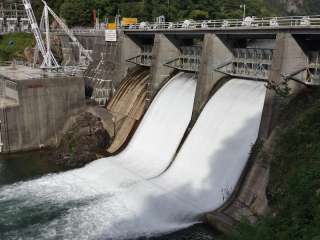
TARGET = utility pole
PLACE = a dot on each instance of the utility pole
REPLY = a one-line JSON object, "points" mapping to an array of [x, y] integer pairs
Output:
{"points": [[168, 10], [243, 6]]}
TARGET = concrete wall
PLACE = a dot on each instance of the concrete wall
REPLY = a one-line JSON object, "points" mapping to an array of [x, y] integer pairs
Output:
{"points": [[127, 48], [115, 66], [163, 51], [288, 57], [90, 41], [214, 53], [45, 106], [71, 52]]}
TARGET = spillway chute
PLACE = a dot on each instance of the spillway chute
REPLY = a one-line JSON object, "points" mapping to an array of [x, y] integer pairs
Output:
{"points": [[208, 166], [201, 178]]}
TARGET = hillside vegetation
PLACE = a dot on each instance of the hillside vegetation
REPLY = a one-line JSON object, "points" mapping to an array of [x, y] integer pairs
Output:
{"points": [[79, 12], [303, 7], [294, 187], [12, 45]]}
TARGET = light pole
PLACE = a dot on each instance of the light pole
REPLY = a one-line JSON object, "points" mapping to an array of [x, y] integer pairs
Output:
{"points": [[168, 10], [243, 6]]}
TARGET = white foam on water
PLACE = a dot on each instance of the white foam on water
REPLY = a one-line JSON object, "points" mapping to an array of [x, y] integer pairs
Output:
{"points": [[207, 168], [201, 179], [147, 155]]}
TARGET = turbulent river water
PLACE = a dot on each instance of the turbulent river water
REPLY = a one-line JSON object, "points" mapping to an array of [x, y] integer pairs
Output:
{"points": [[127, 197]]}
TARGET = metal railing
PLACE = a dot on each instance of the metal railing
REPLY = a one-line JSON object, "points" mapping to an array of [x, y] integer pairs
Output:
{"points": [[9, 90], [233, 24], [80, 31], [13, 18], [248, 22], [189, 59], [251, 63], [313, 69], [144, 58]]}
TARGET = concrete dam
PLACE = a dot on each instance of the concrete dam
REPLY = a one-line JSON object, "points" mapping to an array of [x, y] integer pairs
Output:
{"points": [[139, 198], [188, 106]]}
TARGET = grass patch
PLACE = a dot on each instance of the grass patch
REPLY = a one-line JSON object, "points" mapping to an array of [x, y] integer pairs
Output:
{"points": [[294, 188], [12, 45]]}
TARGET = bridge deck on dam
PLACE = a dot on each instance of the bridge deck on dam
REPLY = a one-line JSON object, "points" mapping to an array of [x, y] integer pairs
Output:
{"points": [[248, 25], [265, 33], [260, 27]]}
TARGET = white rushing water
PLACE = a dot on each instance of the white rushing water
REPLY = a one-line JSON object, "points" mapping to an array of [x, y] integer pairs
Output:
{"points": [[149, 152], [206, 170], [203, 175]]}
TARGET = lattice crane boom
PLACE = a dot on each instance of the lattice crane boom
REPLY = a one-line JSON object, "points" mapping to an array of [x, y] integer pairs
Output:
{"points": [[49, 60], [65, 28]]}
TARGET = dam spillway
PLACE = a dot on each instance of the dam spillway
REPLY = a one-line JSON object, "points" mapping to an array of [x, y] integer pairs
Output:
{"points": [[83, 203], [128, 106], [151, 188], [206, 169], [147, 155]]}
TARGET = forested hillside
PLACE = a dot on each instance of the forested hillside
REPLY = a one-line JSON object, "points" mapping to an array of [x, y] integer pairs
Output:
{"points": [[79, 12], [311, 7]]}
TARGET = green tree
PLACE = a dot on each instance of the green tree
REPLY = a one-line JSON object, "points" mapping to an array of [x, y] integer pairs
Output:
{"points": [[77, 12], [199, 14]]}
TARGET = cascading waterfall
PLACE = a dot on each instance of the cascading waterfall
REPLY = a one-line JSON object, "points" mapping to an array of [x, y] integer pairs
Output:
{"points": [[202, 177]]}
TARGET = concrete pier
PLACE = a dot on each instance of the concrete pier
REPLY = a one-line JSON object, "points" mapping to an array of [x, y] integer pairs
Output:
{"points": [[288, 57], [164, 49], [127, 48], [214, 53]]}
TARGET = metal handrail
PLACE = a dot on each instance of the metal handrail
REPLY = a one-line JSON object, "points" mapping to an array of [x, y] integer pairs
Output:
{"points": [[249, 22]]}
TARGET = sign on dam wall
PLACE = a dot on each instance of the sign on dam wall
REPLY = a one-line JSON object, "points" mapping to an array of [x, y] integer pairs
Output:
{"points": [[110, 35]]}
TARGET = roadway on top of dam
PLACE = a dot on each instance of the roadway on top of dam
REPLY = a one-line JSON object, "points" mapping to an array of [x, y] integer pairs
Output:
{"points": [[267, 32], [261, 27]]}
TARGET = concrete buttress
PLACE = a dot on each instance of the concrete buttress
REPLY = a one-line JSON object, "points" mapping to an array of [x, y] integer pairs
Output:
{"points": [[164, 50], [214, 54], [127, 49], [288, 57]]}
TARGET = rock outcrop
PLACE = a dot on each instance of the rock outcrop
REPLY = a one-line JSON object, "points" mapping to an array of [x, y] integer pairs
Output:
{"points": [[84, 142]]}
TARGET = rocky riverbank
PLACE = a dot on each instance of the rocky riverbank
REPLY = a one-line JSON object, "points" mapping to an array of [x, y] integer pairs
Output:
{"points": [[85, 141]]}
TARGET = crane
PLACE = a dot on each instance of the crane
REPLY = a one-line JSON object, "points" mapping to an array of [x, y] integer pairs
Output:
{"points": [[84, 54], [49, 61]]}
